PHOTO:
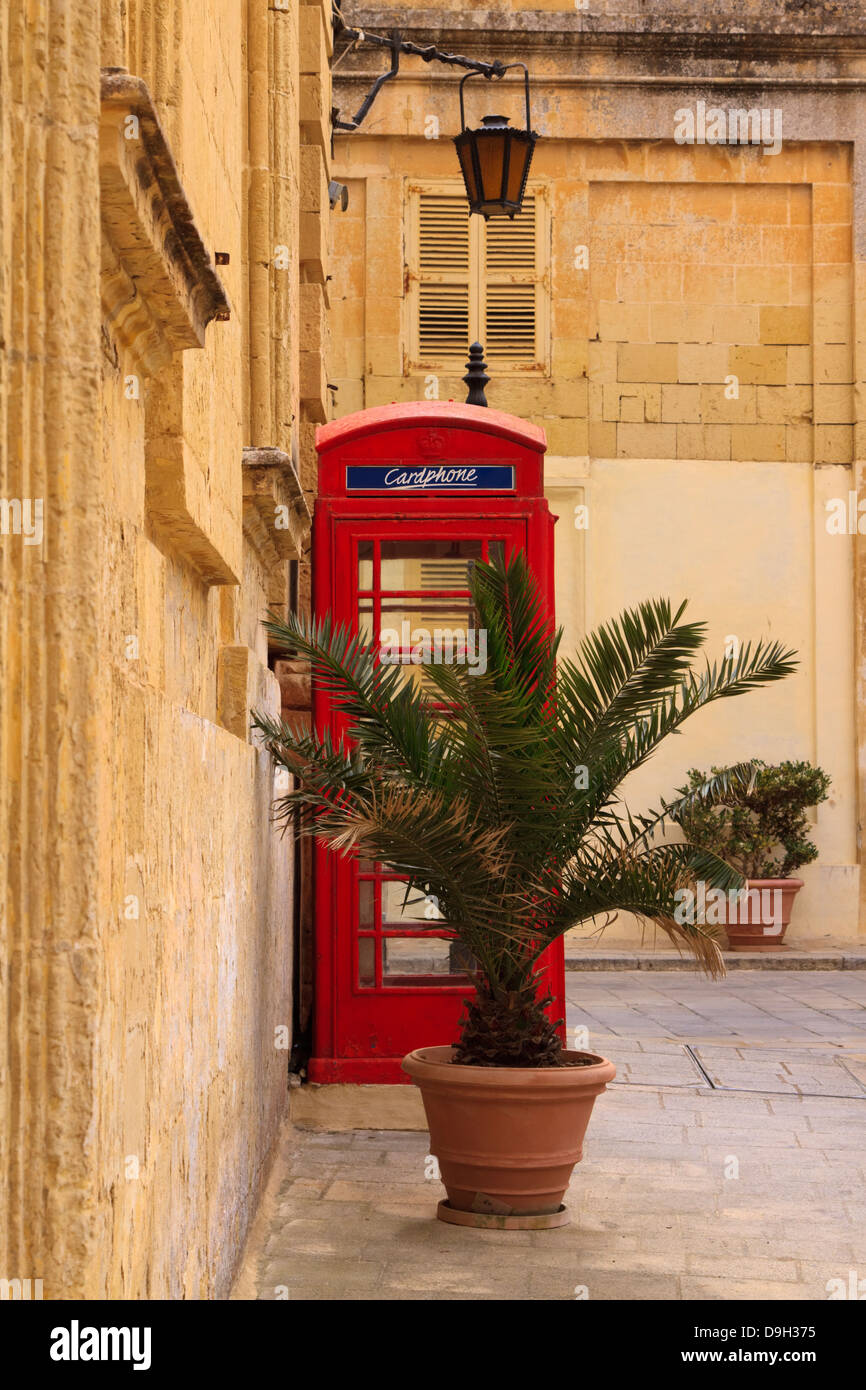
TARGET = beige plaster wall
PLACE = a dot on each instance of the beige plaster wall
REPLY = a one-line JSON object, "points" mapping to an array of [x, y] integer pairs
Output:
{"points": [[751, 554]]}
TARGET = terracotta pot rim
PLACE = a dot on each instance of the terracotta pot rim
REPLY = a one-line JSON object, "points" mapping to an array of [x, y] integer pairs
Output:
{"points": [[777, 882], [420, 1065]]}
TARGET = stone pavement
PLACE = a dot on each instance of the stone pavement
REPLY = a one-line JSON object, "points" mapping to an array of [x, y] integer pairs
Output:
{"points": [[584, 954], [726, 1162], [817, 1007]]}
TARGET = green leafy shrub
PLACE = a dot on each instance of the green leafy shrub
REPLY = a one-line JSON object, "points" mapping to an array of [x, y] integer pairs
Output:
{"points": [[762, 829]]}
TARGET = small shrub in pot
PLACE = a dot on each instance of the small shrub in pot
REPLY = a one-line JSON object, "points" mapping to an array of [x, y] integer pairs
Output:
{"points": [[761, 828]]}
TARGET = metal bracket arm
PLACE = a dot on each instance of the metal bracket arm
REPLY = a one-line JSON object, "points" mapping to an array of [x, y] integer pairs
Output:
{"points": [[397, 45]]}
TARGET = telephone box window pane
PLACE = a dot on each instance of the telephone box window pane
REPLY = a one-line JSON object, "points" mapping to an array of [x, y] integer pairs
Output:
{"points": [[365, 565], [439, 634], [417, 960], [417, 910], [427, 613], [366, 904], [442, 564], [496, 551], [420, 677], [365, 620], [367, 962]]}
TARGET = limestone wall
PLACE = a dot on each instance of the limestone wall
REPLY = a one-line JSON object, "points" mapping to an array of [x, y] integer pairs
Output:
{"points": [[151, 282]]}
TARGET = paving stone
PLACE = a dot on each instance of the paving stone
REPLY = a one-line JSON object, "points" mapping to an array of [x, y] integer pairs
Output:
{"points": [[406, 1140], [818, 1274], [831, 1250], [739, 1267], [332, 1242], [792, 1072], [343, 1190], [648, 1069], [612, 1125], [856, 1066], [603, 1285], [703, 1288], [312, 1187], [839, 1139], [329, 1141], [818, 1105], [310, 1167], [468, 1283], [781, 1139], [298, 1270], [724, 1104]]}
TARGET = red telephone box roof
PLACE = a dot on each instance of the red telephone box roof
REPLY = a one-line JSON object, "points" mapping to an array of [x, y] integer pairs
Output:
{"points": [[419, 413]]}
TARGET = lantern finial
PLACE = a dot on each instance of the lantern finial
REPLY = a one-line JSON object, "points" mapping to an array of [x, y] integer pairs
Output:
{"points": [[476, 377]]}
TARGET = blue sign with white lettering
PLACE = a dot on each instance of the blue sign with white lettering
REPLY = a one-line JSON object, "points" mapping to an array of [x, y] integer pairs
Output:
{"points": [[444, 477]]}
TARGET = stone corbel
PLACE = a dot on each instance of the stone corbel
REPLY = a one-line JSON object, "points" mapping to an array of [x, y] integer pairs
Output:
{"points": [[276, 515], [159, 286], [244, 684]]}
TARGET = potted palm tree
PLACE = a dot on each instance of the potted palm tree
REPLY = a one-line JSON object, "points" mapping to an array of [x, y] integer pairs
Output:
{"points": [[499, 795]]}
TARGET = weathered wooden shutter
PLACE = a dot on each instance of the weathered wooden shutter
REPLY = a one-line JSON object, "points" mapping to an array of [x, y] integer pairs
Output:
{"points": [[444, 280], [510, 288]]}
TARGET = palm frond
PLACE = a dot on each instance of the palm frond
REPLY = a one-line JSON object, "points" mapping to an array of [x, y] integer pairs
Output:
{"points": [[500, 791]]}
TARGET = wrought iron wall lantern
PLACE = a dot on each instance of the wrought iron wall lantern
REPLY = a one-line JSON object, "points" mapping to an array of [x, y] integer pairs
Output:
{"points": [[494, 159]]}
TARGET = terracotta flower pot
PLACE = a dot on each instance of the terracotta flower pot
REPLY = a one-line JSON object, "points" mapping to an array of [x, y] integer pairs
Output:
{"points": [[506, 1138], [760, 921]]}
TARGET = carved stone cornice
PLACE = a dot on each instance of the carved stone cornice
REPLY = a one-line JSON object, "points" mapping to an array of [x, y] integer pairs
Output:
{"points": [[159, 286], [665, 37], [276, 515]]}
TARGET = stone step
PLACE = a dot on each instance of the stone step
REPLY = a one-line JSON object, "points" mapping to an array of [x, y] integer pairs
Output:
{"points": [[828, 958]]}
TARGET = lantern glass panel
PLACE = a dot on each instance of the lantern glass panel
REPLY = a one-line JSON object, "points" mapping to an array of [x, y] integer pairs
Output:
{"points": [[521, 154], [464, 153], [491, 159]]}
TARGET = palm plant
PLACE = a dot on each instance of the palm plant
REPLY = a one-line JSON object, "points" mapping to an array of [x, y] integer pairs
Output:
{"points": [[499, 793]]}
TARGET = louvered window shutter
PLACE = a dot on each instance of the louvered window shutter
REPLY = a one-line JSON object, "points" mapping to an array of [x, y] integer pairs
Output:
{"points": [[474, 280], [510, 281], [444, 265]]}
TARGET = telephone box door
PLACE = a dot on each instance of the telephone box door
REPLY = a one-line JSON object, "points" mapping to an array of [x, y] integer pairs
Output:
{"points": [[390, 950]]}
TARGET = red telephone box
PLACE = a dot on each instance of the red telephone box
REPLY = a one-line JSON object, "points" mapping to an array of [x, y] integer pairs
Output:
{"points": [[409, 497]]}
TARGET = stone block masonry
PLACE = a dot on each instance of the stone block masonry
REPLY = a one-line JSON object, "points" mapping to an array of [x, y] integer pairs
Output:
{"points": [[150, 396]]}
